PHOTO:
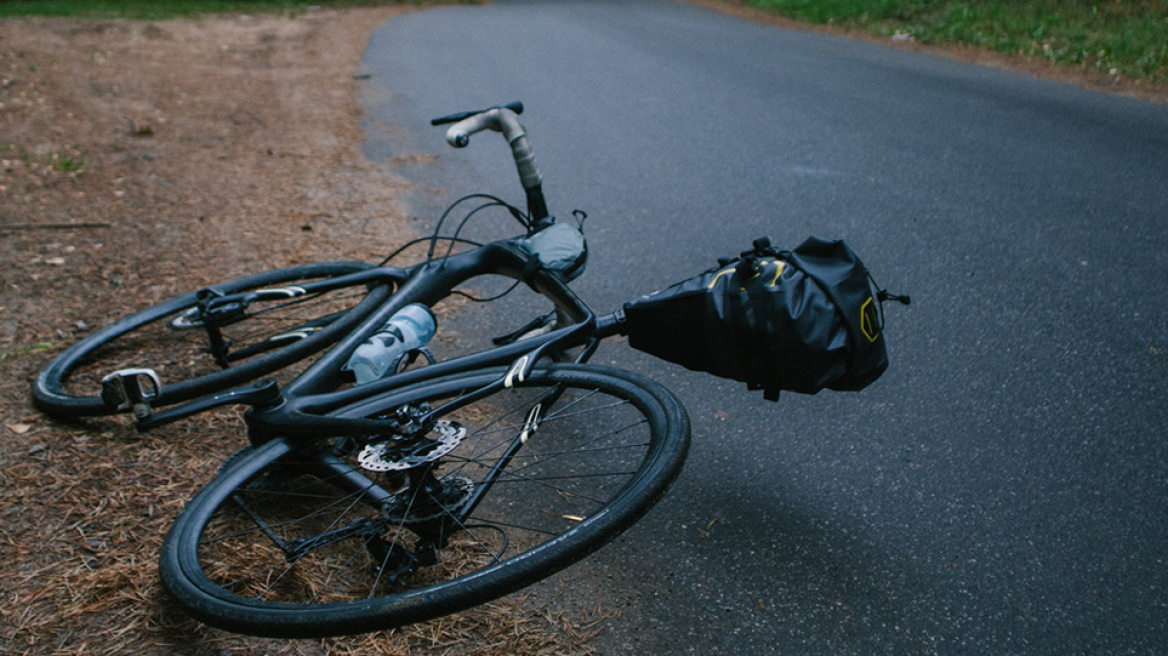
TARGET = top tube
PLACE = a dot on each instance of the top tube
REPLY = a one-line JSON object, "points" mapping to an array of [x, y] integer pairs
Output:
{"points": [[429, 283]]}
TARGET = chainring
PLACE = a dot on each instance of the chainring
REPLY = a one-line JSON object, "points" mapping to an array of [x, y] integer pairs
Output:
{"points": [[187, 319]]}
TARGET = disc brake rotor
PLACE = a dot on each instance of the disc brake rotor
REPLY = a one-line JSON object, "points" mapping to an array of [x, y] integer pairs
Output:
{"points": [[187, 319], [396, 456]]}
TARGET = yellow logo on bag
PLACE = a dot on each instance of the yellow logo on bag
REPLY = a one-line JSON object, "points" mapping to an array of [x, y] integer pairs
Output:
{"points": [[758, 271], [724, 272], [869, 320]]}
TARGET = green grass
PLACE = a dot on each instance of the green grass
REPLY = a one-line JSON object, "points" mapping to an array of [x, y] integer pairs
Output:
{"points": [[65, 161], [25, 350], [1121, 37], [160, 9], [1124, 37]]}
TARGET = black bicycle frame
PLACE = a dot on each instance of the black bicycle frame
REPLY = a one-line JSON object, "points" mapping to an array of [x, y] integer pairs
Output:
{"points": [[299, 410]]}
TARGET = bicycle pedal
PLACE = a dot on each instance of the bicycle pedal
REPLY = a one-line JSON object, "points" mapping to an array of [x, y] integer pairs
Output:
{"points": [[131, 389]]}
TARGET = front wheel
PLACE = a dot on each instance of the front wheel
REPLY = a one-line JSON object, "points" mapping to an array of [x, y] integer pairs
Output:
{"points": [[172, 339], [343, 537]]}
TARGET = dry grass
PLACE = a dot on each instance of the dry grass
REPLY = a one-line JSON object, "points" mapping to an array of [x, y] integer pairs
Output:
{"points": [[188, 151]]}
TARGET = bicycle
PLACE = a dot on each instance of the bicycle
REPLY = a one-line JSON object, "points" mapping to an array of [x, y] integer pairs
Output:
{"points": [[359, 507], [366, 503]]}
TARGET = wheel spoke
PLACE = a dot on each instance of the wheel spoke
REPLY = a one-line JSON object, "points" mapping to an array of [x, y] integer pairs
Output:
{"points": [[330, 527], [181, 354]]}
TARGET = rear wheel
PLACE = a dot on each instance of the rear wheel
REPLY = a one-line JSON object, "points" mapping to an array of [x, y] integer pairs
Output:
{"points": [[193, 358], [344, 537]]}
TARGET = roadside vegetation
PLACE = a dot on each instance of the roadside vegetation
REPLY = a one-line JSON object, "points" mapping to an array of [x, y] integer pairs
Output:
{"points": [[1118, 37], [161, 9]]}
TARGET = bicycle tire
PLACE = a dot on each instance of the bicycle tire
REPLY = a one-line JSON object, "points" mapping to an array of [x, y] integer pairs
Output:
{"points": [[157, 338], [235, 557]]}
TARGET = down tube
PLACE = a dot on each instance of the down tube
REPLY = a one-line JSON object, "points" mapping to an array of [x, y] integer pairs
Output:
{"points": [[428, 284]]}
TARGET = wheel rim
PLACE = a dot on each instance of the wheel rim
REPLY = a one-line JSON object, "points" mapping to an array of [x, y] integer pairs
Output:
{"points": [[167, 340], [288, 543]]}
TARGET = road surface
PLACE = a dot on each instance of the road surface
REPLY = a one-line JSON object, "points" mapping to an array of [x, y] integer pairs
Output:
{"points": [[1004, 488]]}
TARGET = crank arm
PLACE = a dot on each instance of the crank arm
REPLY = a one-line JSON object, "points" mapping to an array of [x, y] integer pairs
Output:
{"points": [[264, 393]]}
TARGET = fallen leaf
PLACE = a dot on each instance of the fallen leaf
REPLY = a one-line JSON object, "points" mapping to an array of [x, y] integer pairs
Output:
{"points": [[19, 429]]}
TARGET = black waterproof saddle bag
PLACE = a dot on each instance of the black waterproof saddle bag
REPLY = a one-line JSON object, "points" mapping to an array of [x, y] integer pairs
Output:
{"points": [[800, 320]]}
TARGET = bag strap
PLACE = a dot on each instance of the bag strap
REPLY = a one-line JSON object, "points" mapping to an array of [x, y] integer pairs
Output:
{"points": [[747, 260], [769, 392], [884, 295]]}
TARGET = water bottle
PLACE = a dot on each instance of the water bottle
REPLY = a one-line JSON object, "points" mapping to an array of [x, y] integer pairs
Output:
{"points": [[408, 329]]}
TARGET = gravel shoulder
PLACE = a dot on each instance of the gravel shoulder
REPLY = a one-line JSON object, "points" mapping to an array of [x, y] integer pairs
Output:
{"points": [[139, 160]]}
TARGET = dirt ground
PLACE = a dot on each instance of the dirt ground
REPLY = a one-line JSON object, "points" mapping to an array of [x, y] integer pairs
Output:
{"points": [[139, 160]]}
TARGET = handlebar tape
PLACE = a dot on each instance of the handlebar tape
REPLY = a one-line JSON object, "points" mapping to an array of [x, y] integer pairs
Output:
{"points": [[500, 119]]}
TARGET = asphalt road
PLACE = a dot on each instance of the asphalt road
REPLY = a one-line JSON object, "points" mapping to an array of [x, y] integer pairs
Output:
{"points": [[1003, 489]]}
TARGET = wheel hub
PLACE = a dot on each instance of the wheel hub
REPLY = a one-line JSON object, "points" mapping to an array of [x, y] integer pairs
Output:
{"points": [[425, 506]]}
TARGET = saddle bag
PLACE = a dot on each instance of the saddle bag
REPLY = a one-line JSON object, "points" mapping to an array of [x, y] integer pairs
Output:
{"points": [[800, 320]]}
